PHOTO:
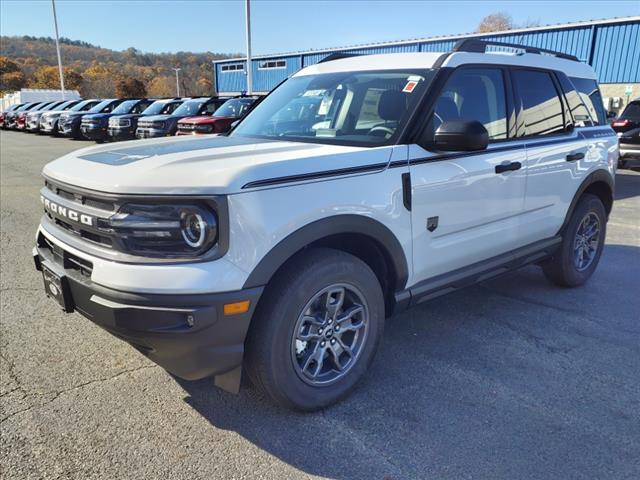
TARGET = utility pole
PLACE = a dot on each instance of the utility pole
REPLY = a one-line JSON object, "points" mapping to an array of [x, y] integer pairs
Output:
{"points": [[249, 63], [55, 22], [177, 69]]}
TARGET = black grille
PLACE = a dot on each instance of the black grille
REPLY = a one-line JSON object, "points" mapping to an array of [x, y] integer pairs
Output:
{"points": [[67, 260], [81, 199]]}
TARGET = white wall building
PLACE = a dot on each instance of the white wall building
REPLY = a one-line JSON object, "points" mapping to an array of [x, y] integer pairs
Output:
{"points": [[37, 95]]}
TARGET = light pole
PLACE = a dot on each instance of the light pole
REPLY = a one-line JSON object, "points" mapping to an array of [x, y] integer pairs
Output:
{"points": [[177, 69], [55, 22], [249, 65]]}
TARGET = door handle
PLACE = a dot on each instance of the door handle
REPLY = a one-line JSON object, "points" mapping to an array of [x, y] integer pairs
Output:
{"points": [[573, 157], [508, 167]]}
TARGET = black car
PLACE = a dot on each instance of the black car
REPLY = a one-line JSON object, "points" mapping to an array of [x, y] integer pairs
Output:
{"points": [[167, 125], [69, 122], [94, 126], [627, 126], [123, 127]]}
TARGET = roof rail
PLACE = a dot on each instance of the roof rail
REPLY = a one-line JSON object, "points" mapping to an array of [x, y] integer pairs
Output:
{"points": [[480, 46], [337, 56]]}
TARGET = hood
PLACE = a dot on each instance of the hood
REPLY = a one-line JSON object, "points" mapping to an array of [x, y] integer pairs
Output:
{"points": [[53, 113], [202, 165], [96, 116], [156, 118], [203, 119], [128, 115], [75, 114]]}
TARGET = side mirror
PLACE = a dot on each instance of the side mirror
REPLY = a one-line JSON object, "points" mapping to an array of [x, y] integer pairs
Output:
{"points": [[461, 136], [611, 115]]}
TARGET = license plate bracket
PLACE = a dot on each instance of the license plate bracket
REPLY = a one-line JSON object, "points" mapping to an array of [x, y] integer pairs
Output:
{"points": [[57, 287]]}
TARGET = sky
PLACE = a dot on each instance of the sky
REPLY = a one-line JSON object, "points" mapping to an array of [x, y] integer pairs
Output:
{"points": [[277, 26]]}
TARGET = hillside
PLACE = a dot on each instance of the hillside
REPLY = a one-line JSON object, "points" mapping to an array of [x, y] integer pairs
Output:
{"points": [[30, 62]]}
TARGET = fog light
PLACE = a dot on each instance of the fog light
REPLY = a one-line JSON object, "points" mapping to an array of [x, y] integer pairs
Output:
{"points": [[237, 307]]}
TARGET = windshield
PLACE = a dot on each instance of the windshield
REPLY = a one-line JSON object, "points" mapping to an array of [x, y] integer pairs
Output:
{"points": [[158, 107], [632, 111], [80, 107], [191, 107], [234, 108], [363, 108], [101, 106], [125, 107]]}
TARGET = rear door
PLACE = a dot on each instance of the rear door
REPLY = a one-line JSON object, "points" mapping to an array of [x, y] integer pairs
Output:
{"points": [[557, 159], [463, 209]]}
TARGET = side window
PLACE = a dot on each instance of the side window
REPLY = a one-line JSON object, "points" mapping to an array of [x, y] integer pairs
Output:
{"points": [[140, 107], [541, 106], [474, 94], [590, 94], [211, 107], [578, 109]]}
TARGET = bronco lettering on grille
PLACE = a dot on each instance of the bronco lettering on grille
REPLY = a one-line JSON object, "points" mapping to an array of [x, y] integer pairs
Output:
{"points": [[66, 212]]}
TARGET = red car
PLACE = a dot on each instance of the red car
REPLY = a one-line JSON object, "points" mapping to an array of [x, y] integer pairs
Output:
{"points": [[220, 121]]}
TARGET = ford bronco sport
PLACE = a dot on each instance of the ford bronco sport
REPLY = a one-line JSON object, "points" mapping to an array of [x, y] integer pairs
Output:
{"points": [[357, 188]]}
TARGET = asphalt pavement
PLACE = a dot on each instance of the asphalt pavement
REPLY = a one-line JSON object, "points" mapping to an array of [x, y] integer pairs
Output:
{"points": [[511, 379]]}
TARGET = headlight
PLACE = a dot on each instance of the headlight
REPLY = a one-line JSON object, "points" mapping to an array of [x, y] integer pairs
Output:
{"points": [[124, 122], [164, 230], [157, 125], [204, 128]]}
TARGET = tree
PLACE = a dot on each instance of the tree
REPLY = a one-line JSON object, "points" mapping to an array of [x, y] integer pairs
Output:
{"points": [[496, 22], [8, 66], [99, 82], [49, 77], [130, 88], [162, 87], [10, 82]]}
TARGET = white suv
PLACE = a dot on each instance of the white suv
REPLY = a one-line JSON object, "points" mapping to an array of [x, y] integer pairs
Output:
{"points": [[357, 188]]}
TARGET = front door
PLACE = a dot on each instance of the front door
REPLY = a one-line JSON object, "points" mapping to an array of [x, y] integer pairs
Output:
{"points": [[466, 206]]}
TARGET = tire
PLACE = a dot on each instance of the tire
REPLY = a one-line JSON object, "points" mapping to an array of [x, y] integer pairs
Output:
{"points": [[567, 268], [275, 360]]}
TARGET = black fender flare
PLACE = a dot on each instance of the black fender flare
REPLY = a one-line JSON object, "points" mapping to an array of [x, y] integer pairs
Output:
{"points": [[599, 175], [326, 227]]}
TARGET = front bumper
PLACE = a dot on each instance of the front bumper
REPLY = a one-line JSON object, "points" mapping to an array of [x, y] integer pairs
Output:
{"points": [[188, 335], [69, 128], [629, 151], [94, 132], [122, 133], [144, 132]]}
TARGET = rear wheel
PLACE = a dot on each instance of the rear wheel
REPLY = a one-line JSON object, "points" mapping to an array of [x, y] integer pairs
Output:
{"points": [[582, 244], [316, 330]]}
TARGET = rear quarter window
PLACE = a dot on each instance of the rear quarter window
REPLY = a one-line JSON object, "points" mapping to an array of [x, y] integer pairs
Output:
{"points": [[591, 97]]}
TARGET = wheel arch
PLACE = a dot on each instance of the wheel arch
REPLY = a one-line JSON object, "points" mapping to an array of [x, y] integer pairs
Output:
{"points": [[598, 183], [361, 236]]}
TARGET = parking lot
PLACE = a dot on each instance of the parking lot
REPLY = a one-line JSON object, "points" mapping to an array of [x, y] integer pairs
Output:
{"points": [[511, 379]]}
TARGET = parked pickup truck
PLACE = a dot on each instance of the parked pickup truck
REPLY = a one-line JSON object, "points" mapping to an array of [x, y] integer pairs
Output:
{"points": [[280, 249], [95, 126], [219, 121], [123, 127], [166, 125]]}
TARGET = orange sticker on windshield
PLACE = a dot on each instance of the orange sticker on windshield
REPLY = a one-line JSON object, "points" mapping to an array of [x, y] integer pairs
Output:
{"points": [[408, 88]]}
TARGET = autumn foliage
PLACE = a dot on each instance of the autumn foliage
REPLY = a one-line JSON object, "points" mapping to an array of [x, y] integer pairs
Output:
{"points": [[29, 62]]}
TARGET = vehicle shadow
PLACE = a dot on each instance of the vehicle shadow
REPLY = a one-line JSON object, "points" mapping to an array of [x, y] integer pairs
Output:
{"points": [[483, 381]]}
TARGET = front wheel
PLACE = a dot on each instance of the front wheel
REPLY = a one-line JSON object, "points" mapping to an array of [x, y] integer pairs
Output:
{"points": [[316, 330], [582, 244]]}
